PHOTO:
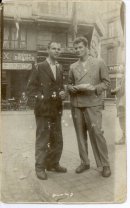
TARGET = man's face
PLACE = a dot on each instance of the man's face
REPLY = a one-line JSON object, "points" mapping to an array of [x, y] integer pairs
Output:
{"points": [[80, 49], [54, 50]]}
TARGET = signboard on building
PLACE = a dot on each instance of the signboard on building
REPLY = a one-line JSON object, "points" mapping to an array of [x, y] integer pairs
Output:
{"points": [[116, 68], [16, 66], [18, 56]]}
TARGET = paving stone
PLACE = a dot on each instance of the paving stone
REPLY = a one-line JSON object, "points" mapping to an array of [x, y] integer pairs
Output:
{"points": [[19, 181]]}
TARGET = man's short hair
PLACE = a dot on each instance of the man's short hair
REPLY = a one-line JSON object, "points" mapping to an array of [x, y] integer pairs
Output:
{"points": [[81, 39], [49, 44]]}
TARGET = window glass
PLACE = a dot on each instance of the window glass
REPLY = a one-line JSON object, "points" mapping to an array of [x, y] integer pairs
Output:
{"points": [[43, 7], [23, 38], [23, 34], [6, 33]]}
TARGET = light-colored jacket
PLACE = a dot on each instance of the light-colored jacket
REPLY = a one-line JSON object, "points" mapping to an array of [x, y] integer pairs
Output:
{"points": [[95, 72]]}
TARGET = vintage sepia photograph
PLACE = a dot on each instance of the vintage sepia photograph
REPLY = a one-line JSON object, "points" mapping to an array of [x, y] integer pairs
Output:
{"points": [[63, 101]]}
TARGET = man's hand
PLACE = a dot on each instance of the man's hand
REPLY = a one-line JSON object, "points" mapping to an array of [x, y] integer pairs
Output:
{"points": [[84, 87], [62, 94], [72, 89]]}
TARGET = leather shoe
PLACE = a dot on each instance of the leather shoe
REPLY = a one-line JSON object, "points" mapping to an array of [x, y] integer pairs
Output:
{"points": [[57, 168], [82, 168], [106, 171], [41, 175]]}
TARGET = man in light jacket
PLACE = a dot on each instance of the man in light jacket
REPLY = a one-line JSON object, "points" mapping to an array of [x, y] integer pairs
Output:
{"points": [[88, 78]]}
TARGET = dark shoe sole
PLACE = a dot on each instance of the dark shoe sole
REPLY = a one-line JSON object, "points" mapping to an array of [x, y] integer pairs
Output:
{"points": [[87, 168], [61, 171], [41, 178], [106, 176], [54, 170]]}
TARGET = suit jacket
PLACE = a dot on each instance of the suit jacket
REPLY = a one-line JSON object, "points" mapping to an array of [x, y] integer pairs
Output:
{"points": [[42, 82], [95, 73]]}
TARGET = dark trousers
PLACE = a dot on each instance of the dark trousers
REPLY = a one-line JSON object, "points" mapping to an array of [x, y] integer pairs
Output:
{"points": [[90, 119], [49, 142]]}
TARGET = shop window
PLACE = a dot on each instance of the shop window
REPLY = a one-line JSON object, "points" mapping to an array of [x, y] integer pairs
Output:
{"points": [[113, 86]]}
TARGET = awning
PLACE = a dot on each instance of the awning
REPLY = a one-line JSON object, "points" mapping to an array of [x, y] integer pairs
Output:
{"points": [[16, 66]]}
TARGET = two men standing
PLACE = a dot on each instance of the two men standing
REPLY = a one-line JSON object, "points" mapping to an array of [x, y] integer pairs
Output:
{"points": [[88, 77]]}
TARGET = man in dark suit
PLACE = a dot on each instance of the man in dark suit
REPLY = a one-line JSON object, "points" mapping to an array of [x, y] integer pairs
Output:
{"points": [[88, 78], [46, 85]]}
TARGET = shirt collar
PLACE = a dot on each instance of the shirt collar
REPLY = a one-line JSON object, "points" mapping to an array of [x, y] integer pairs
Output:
{"points": [[49, 62]]}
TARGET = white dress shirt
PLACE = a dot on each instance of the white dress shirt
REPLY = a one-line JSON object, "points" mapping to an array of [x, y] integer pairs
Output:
{"points": [[52, 66]]}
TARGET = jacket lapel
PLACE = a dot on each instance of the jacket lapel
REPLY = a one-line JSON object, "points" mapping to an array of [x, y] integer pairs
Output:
{"points": [[82, 70], [49, 71]]}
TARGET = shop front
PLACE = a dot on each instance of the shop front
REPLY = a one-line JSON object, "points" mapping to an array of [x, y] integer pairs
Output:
{"points": [[16, 69], [115, 72]]}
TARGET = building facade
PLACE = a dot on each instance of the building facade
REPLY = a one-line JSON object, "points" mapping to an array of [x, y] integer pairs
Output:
{"points": [[112, 43], [30, 26]]}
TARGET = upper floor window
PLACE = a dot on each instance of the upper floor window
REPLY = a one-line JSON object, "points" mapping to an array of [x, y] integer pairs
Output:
{"points": [[44, 37], [6, 37], [23, 38], [112, 56], [14, 39], [52, 8], [43, 7]]}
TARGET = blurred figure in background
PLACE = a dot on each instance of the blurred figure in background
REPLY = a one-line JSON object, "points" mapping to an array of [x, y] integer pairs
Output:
{"points": [[119, 91], [23, 101], [23, 97]]}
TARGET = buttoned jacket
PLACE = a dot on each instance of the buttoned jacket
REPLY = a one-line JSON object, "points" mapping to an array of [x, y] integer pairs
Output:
{"points": [[42, 84], [94, 72]]}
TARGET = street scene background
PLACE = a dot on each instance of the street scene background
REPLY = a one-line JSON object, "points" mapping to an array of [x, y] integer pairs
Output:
{"points": [[27, 29]]}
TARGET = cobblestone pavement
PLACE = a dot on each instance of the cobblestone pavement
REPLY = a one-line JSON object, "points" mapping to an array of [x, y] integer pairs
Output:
{"points": [[20, 184]]}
